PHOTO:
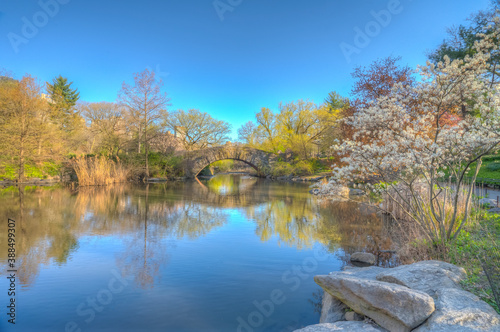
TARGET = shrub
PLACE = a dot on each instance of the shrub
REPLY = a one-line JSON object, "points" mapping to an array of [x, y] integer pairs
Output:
{"points": [[303, 168], [491, 157], [281, 169], [493, 166], [164, 165]]}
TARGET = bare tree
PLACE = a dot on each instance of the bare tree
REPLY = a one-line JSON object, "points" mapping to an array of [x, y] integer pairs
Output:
{"points": [[198, 130], [108, 129], [145, 105], [246, 133]]}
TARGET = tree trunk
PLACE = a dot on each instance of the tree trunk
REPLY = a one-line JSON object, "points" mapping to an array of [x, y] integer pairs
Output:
{"points": [[139, 140], [21, 161], [40, 146], [147, 152]]}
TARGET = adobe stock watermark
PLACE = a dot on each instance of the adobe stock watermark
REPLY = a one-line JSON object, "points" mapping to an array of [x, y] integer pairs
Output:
{"points": [[158, 72], [30, 26], [363, 37], [223, 6], [293, 278], [89, 308]]}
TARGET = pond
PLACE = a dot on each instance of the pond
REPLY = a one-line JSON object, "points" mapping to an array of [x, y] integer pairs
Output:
{"points": [[232, 253]]}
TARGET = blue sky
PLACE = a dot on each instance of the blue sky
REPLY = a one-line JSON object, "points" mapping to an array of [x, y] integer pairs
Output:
{"points": [[260, 53]]}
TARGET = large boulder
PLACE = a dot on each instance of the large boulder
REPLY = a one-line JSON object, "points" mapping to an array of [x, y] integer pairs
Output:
{"points": [[461, 311], [332, 310], [425, 276], [488, 201], [342, 326], [364, 258], [354, 316], [370, 272], [394, 307]]}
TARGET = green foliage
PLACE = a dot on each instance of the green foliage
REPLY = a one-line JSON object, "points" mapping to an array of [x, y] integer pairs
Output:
{"points": [[303, 168], [491, 157], [301, 127], [476, 245], [31, 171], [300, 168], [485, 171], [223, 165], [164, 165], [61, 93], [281, 169], [42, 171], [490, 169], [335, 101], [494, 166], [321, 165], [62, 102], [9, 172]]}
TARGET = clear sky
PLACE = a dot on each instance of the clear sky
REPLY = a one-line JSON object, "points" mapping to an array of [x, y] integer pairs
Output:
{"points": [[229, 61]]}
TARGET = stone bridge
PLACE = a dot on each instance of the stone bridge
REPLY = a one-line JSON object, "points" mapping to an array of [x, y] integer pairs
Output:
{"points": [[196, 161]]}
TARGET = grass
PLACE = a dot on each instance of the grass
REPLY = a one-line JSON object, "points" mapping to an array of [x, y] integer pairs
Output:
{"points": [[488, 169], [476, 249], [42, 170], [98, 171], [476, 245]]}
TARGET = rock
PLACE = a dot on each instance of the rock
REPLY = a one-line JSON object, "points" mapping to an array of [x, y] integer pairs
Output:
{"points": [[354, 316], [495, 210], [425, 276], [360, 272], [364, 257], [314, 191], [394, 307], [341, 326], [488, 201], [458, 310], [332, 310], [156, 180], [356, 192]]}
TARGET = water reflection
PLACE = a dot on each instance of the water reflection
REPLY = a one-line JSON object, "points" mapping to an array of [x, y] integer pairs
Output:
{"points": [[231, 185], [51, 221]]}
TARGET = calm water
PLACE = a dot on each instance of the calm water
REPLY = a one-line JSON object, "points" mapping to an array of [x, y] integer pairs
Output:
{"points": [[229, 254]]}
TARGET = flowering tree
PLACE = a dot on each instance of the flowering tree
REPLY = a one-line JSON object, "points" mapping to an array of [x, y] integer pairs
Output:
{"points": [[412, 142]]}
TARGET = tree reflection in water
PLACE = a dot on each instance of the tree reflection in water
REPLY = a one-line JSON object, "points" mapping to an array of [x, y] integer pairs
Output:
{"points": [[51, 220]]}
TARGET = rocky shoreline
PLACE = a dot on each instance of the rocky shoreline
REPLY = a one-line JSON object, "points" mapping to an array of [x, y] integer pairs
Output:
{"points": [[421, 297], [31, 181]]}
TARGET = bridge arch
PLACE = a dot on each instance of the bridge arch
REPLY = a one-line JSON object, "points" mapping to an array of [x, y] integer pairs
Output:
{"points": [[196, 161]]}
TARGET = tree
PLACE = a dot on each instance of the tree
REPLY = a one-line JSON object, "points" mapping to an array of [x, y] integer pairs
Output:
{"points": [[246, 133], [267, 130], [410, 147], [303, 124], [300, 126], [335, 101], [377, 80], [145, 104], [62, 99], [165, 143], [371, 83], [21, 105], [106, 123], [461, 40], [198, 130]]}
